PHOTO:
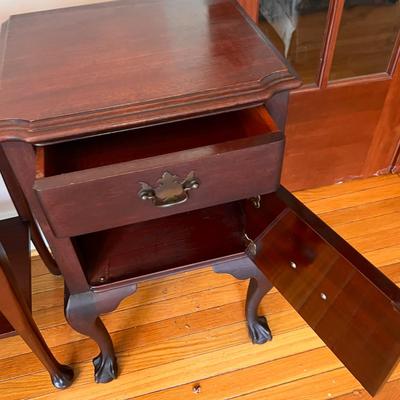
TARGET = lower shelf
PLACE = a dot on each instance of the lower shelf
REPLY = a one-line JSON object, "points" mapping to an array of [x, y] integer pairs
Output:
{"points": [[163, 244]]}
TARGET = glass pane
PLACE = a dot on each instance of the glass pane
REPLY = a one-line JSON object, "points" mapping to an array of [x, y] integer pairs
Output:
{"points": [[297, 30], [366, 38]]}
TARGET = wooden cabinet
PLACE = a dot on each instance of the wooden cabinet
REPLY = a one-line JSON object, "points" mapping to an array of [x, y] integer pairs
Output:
{"points": [[144, 151], [343, 123]]}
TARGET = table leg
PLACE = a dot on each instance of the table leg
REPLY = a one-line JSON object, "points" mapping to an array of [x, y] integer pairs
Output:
{"points": [[259, 286], [82, 311], [13, 307], [25, 213]]}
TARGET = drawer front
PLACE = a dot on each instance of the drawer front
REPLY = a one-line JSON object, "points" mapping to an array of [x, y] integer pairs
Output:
{"points": [[353, 312], [105, 197]]}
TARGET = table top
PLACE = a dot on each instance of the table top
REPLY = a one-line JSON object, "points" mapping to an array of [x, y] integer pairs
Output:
{"points": [[93, 68]]}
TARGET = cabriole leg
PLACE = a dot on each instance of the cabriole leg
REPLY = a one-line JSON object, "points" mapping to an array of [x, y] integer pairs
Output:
{"points": [[16, 311], [259, 330], [259, 286], [82, 312]]}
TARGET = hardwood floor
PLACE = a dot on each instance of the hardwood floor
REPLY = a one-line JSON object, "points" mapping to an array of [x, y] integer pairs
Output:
{"points": [[188, 330]]}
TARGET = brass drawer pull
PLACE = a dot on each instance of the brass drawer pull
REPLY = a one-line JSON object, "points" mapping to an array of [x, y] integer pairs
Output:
{"points": [[171, 190]]}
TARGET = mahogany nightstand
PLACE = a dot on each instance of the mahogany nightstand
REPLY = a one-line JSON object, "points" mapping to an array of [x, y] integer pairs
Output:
{"points": [[146, 138]]}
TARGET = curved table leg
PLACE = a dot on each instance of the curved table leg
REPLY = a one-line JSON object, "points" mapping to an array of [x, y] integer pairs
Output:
{"points": [[259, 286], [14, 308], [82, 312]]}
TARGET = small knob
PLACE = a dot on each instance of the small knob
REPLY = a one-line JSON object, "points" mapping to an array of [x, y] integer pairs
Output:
{"points": [[293, 264]]}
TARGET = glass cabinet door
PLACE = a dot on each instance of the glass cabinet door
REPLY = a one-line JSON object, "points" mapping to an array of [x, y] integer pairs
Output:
{"points": [[297, 29], [367, 36], [339, 38]]}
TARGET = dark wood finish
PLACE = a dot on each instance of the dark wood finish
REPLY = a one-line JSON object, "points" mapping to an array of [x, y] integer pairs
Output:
{"points": [[146, 81], [112, 192], [14, 237], [352, 306], [20, 157], [213, 68], [152, 104], [259, 286], [14, 263], [162, 244], [381, 150], [25, 213], [82, 311]]}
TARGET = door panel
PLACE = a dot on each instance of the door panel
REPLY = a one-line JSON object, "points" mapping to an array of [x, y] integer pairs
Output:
{"points": [[350, 304], [329, 132], [338, 129]]}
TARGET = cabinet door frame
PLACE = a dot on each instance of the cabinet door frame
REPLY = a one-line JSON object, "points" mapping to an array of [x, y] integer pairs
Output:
{"points": [[379, 138]]}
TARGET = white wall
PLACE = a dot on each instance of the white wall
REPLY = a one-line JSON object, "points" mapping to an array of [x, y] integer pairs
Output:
{"points": [[6, 207], [11, 7]]}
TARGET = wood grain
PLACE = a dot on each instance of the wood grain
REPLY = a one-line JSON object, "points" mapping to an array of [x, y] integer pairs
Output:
{"points": [[180, 331]]}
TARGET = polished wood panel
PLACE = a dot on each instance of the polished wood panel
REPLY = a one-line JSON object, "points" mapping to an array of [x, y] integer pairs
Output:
{"points": [[340, 301], [329, 132], [84, 76], [189, 329]]}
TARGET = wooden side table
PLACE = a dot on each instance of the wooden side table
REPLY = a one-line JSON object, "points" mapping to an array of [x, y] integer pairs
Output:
{"points": [[156, 148], [15, 300]]}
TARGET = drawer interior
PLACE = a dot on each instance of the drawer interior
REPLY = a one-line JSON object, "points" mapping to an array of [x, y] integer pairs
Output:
{"points": [[139, 143], [154, 246]]}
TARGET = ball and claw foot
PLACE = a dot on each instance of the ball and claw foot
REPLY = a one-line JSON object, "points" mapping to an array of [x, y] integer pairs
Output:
{"points": [[105, 368], [63, 380], [259, 331]]}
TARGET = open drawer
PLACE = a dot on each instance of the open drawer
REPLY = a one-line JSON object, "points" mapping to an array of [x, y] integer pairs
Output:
{"points": [[127, 177], [350, 304]]}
